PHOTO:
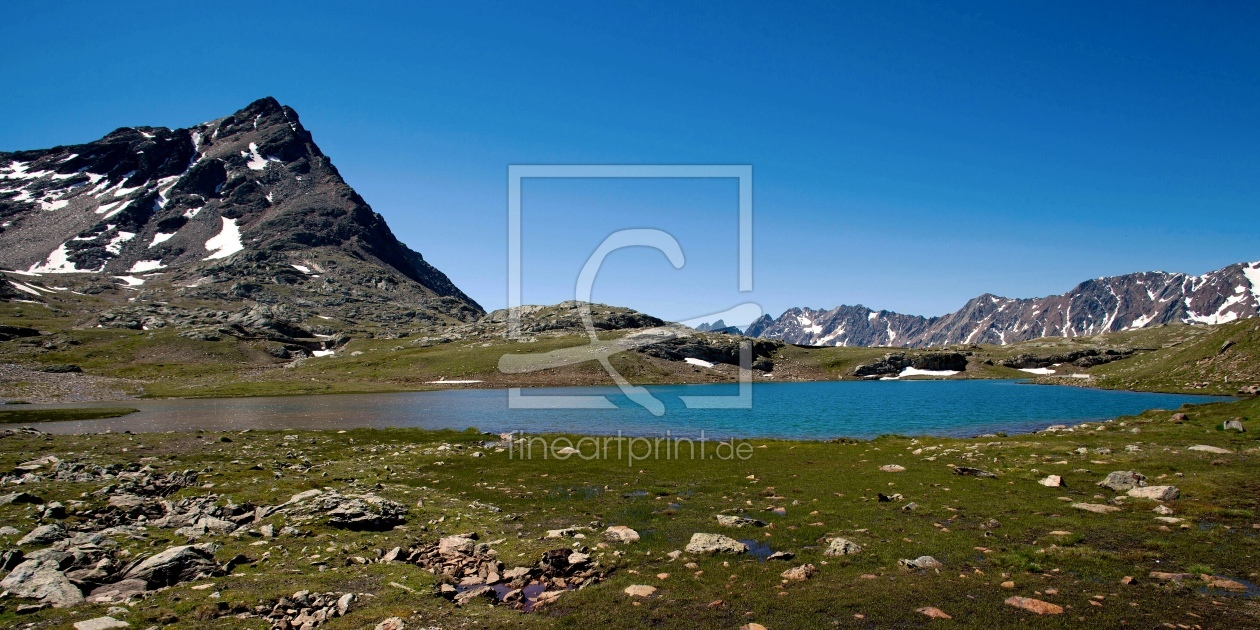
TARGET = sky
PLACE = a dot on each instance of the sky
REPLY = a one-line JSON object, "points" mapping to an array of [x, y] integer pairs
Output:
{"points": [[905, 156]]}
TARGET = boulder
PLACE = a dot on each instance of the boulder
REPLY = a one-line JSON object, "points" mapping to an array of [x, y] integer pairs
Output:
{"points": [[1051, 481], [640, 590], [893, 468], [1034, 605], [360, 512], [392, 623], [1156, 493], [174, 565], [1233, 425], [44, 535], [1097, 508], [473, 593], [799, 574], [1204, 448], [41, 579], [1123, 481], [117, 592], [1178, 418], [621, 534], [20, 497], [714, 543], [933, 612], [452, 546], [101, 623], [922, 562], [842, 547], [727, 520]]}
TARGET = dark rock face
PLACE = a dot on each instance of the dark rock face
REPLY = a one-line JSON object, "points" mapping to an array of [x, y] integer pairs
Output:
{"points": [[1112, 304], [714, 349], [233, 209], [894, 363]]}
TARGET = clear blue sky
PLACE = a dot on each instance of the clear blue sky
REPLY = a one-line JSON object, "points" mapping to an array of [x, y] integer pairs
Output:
{"points": [[906, 156]]}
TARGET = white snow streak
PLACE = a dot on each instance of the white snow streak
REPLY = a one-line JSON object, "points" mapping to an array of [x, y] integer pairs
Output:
{"points": [[226, 242]]}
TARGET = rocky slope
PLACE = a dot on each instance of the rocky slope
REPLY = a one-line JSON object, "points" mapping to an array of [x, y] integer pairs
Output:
{"points": [[1093, 307], [243, 209]]}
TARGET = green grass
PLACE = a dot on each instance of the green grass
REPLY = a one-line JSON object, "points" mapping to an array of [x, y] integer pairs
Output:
{"points": [[22, 416], [827, 489]]}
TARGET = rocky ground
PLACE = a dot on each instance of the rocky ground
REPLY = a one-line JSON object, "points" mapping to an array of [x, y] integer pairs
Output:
{"points": [[1146, 521]]}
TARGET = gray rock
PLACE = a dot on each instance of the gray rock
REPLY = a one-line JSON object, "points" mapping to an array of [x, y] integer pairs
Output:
{"points": [[621, 534], [714, 543], [1233, 425], [10, 559], [1156, 493], [842, 547], [101, 623], [474, 593], [392, 623], [922, 562], [44, 535], [174, 565], [117, 592], [1123, 481], [358, 512], [41, 579], [9, 531], [20, 497], [738, 521]]}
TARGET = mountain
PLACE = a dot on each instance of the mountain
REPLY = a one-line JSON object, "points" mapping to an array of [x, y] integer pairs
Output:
{"points": [[244, 209], [719, 326], [1127, 302]]}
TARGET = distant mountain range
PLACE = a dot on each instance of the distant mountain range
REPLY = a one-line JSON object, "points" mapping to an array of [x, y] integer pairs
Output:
{"points": [[1127, 302], [244, 207]]}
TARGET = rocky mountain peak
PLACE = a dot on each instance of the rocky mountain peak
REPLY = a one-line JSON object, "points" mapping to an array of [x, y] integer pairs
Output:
{"points": [[248, 200]]}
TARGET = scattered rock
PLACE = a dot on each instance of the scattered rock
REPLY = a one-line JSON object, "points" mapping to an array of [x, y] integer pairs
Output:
{"points": [[1123, 480], [1170, 577], [621, 534], [972, 472], [308, 610], [781, 555], [1156, 493], [922, 562], [1096, 508], [1233, 425], [1179, 417], [800, 574], [1209, 449], [392, 623], [1163, 510], [842, 547], [726, 520], [714, 543], [1223, 583], [1034, 605], [1052, 481], [100, 623], [933, 612], [893, 468], [640, 590]]}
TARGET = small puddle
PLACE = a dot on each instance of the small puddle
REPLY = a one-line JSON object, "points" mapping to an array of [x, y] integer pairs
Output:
{"points": [[1251, 593], [758, 549]]}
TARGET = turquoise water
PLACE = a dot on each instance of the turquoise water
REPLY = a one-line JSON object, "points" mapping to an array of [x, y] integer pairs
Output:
{"points": [[814, 410]]}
